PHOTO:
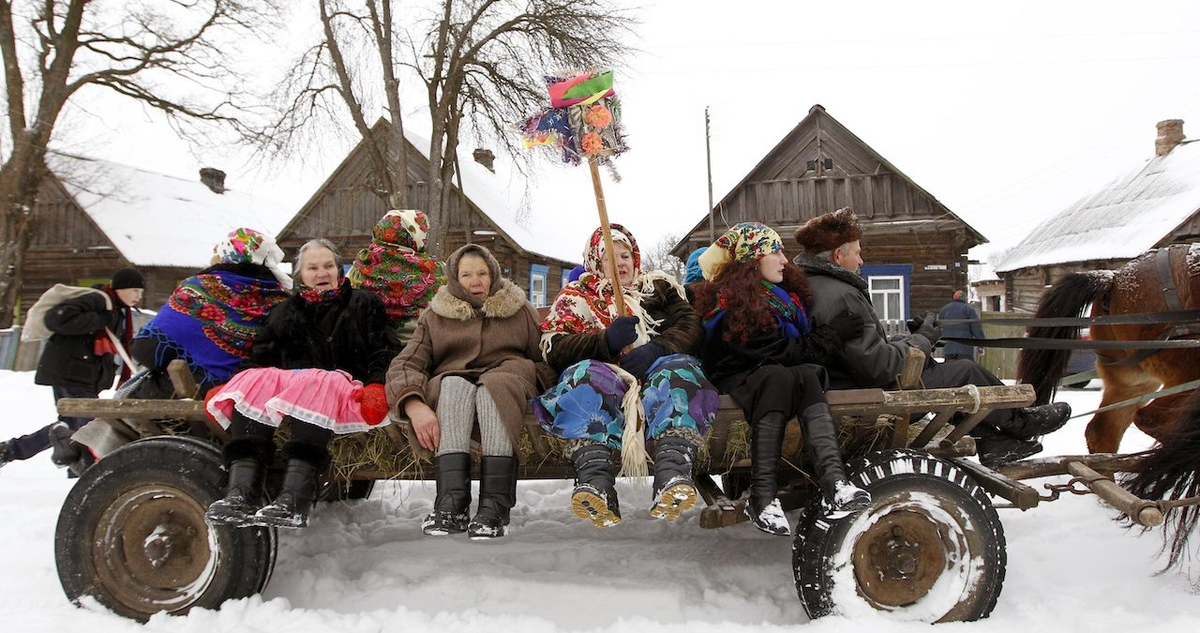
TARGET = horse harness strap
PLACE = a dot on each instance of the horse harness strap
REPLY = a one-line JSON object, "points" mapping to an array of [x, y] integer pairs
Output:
{"points": [[1170, 292]]}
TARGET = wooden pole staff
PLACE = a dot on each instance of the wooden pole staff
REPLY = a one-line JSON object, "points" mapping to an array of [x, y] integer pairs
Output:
{"points": [[619, 292]]}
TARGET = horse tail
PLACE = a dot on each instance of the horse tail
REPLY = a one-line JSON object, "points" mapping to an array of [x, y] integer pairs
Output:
{"points": [[1171, 470], [1043, 367]]}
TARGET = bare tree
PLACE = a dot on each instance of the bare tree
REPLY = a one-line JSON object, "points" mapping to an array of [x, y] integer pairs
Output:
{"points": [[478, 60], [659, 257], [56, 50], [485, 61]]}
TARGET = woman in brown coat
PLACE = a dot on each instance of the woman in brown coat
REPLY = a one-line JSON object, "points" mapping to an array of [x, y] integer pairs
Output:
{"points": [[472, 357]]}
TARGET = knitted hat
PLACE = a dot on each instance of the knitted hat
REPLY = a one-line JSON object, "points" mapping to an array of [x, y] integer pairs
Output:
{"points": [[743, 242], [829, 231], [127, 278], [693, 272], [248, 246]]}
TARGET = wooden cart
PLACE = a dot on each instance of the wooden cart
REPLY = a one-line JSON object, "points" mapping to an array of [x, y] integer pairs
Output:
{"points": [[132, 532]]}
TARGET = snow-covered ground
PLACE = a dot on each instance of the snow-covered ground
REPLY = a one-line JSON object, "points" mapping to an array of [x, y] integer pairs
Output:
{"points": [[365, 566]]}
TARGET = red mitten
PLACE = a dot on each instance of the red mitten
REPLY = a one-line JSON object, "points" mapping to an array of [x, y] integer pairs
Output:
{"points": [[208, 398], [372, 403]]}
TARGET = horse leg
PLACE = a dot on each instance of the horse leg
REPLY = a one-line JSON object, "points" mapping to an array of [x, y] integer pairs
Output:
{"points": [[1105, 430], [1158, 418]]}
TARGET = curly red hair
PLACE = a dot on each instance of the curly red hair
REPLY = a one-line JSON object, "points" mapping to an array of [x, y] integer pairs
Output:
{"points": [[736, 290]]}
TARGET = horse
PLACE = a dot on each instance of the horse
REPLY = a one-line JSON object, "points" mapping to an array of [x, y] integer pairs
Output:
{"points": [[1166, 279], [1172, 470]]}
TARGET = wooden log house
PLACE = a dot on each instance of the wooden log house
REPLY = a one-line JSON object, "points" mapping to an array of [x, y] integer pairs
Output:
{"points": [[914, 247], [345, 208]]}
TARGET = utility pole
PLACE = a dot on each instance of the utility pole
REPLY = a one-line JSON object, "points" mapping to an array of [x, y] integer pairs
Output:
{"points": [[712, 232]]}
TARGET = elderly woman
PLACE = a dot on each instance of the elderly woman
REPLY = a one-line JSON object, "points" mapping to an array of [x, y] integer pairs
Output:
{"points": [[470, 360], [309, 367], [212, 317], [763, 352], [396, 267], [615, 368]]}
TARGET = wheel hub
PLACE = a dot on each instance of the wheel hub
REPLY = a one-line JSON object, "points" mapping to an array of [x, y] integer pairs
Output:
{"points": [[152, 550], [900, 558]]}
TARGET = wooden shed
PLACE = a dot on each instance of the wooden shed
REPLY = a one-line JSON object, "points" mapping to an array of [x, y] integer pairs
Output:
{"points": [[484, 210], [95, 216], [1155, 205], [915, 248]]}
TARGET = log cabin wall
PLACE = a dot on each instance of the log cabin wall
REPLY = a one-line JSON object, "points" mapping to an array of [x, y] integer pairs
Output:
{"points": [[1023, 288], [821, 166]]}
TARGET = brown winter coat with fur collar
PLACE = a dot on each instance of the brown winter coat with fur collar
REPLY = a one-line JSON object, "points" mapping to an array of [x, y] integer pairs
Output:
{"points": [[495, 346]]}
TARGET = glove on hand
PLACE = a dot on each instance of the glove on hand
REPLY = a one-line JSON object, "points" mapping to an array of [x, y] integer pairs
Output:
{"points": [[372, 403], [639, 359], [929, 328], [848, 325], [622, 332]]}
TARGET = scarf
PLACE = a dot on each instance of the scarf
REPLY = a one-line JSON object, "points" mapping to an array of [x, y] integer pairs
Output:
{"points": [[315, 295], [396, 268], [210, 321]]}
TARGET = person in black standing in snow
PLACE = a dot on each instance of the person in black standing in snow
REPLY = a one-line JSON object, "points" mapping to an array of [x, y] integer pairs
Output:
{"points": [[959, 309], [78, 362]]}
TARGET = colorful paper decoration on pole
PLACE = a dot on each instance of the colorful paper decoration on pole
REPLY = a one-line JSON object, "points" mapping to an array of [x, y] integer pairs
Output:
{"points": [[583, 120]]}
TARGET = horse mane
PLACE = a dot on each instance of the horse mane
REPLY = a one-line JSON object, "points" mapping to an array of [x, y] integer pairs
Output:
{"points": [[1042, 368], [1171, 470]]}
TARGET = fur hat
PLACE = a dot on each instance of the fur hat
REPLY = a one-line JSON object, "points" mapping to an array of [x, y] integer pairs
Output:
{"points": [[127, 278], [829, 231]]}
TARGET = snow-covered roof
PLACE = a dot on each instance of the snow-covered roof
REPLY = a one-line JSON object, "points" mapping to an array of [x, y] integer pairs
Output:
{"points": [[507, 199], [1119, 221], [159, 220]]}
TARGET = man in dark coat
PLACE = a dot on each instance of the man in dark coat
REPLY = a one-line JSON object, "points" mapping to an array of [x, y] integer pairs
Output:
{"points": [[832, 259], [79, 361], [959, 310]]}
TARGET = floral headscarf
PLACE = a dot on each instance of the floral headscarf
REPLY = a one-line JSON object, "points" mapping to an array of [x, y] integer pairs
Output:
{"points": [[588, 304], [743, 242], [396, 267], [247, 246]]}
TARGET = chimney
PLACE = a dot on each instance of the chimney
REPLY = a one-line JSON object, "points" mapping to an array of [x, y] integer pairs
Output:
{"points": [[486, 158], [213, 179], [1170, 134]]}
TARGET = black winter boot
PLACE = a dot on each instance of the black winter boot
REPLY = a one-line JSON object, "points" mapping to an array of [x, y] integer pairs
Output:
{"points": [[449, 514], [766, 445], [595, 496], [1031, 422], [823, 452], [304, 463], [247, 460], [674, 488], [497, 496]]}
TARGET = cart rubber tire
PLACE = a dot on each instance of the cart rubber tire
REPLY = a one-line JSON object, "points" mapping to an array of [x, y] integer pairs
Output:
{"points": [[352, 490], [132, 534], [930, 547]]}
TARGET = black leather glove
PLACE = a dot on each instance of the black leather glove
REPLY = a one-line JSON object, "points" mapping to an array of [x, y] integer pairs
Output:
{"points": [[848, 325], [929, 328], [622, 332], [913, 324], [639, 359]]}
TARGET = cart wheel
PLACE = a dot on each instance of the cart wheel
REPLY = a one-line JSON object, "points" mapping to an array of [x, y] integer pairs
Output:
{"points": [[346, 490], [132, 534], [930, 547]]}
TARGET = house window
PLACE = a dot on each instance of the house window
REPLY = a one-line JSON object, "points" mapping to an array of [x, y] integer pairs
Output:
{"points": [[888, 285], [566, 277], [887, 297], [538, 275]]}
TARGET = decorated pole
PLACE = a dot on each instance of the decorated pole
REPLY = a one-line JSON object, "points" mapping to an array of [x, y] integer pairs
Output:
{"points": [[583, 120]]}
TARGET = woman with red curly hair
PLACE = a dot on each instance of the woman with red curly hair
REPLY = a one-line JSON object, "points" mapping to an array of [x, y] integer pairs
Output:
{"points": [[763, 352]]}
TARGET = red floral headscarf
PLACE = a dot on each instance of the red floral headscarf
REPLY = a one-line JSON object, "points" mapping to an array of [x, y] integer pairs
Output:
{"points": [[396, 267]]}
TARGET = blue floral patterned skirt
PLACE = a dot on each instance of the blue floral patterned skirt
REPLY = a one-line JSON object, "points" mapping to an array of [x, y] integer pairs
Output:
{"points": [[586, 402]]}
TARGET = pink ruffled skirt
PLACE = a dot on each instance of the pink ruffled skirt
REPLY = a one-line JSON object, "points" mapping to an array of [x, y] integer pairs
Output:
{"points": [[316, 396]]}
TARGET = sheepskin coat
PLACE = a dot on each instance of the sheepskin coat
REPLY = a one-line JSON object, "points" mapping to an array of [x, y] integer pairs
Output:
{"points": [[495, 346]]}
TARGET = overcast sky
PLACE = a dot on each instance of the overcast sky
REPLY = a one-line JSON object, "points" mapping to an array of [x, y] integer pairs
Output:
{"points": [[1006, 112]]}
